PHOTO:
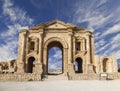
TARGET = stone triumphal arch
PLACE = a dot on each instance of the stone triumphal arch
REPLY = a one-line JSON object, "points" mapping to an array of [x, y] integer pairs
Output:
{"points": [[76, 44]]}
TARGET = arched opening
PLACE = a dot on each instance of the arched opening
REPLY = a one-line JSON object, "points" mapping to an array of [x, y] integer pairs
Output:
{"points": [[55, 58], [105, 62], [31, 65], [32, 45], [78, 65]]}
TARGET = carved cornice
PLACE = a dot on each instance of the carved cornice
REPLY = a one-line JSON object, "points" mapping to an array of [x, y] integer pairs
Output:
{"points": [[81, 53], [60, 22], [45, 25], [80, 38], [24, 31]]}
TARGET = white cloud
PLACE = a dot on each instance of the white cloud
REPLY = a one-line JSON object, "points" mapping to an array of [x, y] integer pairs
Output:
{"points": [[111, 47], [55, 60], [58, 54], [116, 38], [100, 43], [7, 10], [13, 30], [17, 19], [97, 34], [114, 29], [96, 17], [114, 45], [103, 21], [15, 13], [56, 65], [101, 49], [102, 2], [117, 54], [7, 51]]}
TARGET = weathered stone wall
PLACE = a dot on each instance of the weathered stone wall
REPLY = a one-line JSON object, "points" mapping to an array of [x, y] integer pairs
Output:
{"points": [[84, 77], [112, 76], [43, 35], [111, 65], [76, 43], [37, 77], [20, 77]]}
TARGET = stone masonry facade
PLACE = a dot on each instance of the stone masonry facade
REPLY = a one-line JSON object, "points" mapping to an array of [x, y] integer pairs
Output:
{"points": [[76, 43]]}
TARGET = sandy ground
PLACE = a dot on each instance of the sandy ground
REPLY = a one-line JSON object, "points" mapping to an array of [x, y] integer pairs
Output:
{"points": [[81, 85]]}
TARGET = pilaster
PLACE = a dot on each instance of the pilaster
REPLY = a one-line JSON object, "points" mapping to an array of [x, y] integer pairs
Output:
{"points": [[65, 61], [41, 48], [21, 51], [70, 59]]}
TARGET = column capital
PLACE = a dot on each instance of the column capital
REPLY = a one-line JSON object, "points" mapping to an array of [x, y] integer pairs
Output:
{"points": [[70, 33], [41, 33]]}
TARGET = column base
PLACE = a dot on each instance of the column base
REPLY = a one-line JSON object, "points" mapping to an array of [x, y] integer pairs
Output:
{"points": [[20, 68], [90, 69], [38, 69]]}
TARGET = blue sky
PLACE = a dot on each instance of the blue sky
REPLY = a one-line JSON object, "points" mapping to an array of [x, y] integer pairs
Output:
{"points": [[100, 16], [55, 58]]}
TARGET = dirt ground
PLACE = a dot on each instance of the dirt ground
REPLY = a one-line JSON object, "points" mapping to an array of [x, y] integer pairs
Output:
{"points": [[81, 85]]}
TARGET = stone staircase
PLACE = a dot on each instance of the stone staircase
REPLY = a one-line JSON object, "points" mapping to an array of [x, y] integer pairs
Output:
{"points": [[56, 77]]}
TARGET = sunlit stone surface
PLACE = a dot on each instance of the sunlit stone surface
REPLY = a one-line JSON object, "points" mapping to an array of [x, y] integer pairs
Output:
{"points": [[77, 50]]}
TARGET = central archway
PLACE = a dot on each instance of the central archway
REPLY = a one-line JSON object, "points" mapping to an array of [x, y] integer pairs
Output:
{"points": [[55, 42], [54, 60]]}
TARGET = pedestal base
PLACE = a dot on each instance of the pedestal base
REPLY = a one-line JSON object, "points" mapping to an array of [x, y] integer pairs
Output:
{"points": [[20, 68], [90, 69]]}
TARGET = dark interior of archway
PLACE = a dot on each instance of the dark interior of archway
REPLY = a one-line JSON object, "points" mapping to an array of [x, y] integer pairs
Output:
{"points": [[31, 65], [55, 58], [104, 65], [78, 65]]}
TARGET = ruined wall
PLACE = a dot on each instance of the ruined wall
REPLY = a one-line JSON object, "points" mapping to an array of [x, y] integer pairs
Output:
{"points": [[8, 66], [20, 77], [106, 64]]}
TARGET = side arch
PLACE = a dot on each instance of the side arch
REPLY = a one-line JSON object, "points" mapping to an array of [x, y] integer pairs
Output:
{"points": [[31, 64], [105, 64], [31, 55], [78, 66]]}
